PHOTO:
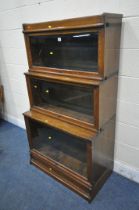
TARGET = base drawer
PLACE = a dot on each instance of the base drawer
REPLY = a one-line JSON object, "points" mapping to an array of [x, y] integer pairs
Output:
{"points": [[63, 175]]}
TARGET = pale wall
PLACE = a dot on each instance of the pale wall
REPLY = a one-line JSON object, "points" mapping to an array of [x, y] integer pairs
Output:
{"points": [[13, 64]]}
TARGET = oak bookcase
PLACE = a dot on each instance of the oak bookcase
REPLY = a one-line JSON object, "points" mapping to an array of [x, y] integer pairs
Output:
{"points": [[72, 88]]}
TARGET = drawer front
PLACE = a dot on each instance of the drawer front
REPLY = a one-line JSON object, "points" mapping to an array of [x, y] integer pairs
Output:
{"points": [[65, 176], [64, 149], [71, 100]]}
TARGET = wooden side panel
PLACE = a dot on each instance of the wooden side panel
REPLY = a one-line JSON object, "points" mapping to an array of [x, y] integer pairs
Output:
{"points": [[112, 45], [103, 151], [1, 100], [27, 44], [107, 100], [29, 129], [1, 93], [29, 91]]}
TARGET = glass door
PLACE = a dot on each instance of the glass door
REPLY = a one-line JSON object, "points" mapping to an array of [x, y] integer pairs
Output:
{"points": [[71, 51], [63, 148], [75, 101]]}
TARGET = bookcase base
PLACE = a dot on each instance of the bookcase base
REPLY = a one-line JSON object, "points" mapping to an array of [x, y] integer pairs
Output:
{"points": [[83, 188]]}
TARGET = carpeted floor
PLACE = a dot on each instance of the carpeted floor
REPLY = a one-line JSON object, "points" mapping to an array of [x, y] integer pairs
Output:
{"points": [[24, 187]]}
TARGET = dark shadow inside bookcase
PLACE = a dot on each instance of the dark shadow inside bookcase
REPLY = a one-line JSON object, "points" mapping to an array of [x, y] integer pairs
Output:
{"points": [[73, 52], [75, 101], [61, 147]]}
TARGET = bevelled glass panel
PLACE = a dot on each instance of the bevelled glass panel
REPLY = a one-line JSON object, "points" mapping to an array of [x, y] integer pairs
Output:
{"points": [[59, 146], [73, 52], [75, 101]]}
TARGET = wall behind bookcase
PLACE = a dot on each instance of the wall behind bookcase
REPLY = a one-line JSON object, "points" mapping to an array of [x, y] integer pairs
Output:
{"points": [[13, 63]]}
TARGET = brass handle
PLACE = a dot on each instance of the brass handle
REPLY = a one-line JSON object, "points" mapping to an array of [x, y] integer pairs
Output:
{"points": [[47, 91], [51, 53], [49, 26]]}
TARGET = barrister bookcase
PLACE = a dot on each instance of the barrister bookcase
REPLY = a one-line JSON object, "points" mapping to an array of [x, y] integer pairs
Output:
{"points": [[72, 88]]}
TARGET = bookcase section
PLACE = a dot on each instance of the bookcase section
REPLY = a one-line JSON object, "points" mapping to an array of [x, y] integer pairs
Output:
{"points": [[84, 46], [69, 100]]}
